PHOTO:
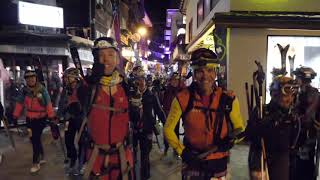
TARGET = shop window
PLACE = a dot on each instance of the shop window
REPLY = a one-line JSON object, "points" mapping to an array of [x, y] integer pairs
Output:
{"points": [[213, 3], [199, 12], [305, 49]]}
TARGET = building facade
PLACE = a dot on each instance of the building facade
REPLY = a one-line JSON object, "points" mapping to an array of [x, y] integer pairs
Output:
{"points": [[244, 31]]}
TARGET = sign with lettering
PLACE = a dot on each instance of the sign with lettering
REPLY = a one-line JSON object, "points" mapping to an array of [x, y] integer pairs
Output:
{"points": [[34, 50]]}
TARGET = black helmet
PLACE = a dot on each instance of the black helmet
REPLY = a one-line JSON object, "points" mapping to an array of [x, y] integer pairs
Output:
{"points": [[305, 73], [203, 57], [72, 72], [278, 72], [30, 73], [284, 85], [138, 72]]}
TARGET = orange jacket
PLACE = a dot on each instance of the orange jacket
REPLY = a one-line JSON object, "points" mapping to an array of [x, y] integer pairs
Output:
{"points": [[200, 131]]}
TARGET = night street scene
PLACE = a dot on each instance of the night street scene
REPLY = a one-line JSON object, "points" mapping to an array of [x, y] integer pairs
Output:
{"points": [[159, 89]]}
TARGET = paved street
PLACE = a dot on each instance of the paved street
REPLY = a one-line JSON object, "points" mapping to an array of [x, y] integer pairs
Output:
{"points": [[16, 164]]}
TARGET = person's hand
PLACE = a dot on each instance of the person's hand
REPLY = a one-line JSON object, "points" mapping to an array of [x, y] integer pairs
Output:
{"points": [[190, 157], [97, 71], [316, 124]]}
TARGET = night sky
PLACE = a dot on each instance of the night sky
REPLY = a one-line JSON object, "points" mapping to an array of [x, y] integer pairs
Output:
{"points": [[156, 10]]}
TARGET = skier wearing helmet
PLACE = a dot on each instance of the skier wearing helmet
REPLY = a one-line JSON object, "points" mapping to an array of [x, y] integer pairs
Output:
{"points": [[307, 150], [108, 122], [210, 116]]}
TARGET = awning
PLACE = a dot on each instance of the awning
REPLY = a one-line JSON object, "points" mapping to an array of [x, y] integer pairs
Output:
{"points": [[200, 39], [80, 42], [23, 36], [310, 21]]}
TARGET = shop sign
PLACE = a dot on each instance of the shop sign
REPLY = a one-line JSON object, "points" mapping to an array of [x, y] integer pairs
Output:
{"points": [[34, 50], [85, 55]]}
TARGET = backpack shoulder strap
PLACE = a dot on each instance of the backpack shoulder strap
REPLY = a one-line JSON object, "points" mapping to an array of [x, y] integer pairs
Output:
{"points": [[186, 98], [223, 111]]}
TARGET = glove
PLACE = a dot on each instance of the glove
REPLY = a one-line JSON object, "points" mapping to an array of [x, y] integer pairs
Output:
{"points": [[97, 73], [190, 157], [54, 131], [157, 128]]}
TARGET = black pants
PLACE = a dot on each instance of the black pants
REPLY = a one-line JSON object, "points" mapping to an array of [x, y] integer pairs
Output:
{"points": [[206, 170], [304, 169], [70, 134], [36, 126], [145, 142]]}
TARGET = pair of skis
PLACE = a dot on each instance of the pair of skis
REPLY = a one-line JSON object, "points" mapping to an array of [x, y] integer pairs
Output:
{"points": [[257, 96]]}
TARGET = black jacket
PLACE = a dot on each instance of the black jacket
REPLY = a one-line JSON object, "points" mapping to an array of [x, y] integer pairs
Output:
{"points": [[278, 129], [151, 109]]}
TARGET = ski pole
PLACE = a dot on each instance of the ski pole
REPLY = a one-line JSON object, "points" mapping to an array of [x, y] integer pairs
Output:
{"points": [[259, 77], [6, 127], [248, 99]]}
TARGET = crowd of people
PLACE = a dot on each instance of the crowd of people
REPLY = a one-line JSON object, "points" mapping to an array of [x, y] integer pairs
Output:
{"points": [[109, 117]]}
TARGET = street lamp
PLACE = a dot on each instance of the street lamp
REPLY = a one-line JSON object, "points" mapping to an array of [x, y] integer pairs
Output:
{"points": [[142, 31]]}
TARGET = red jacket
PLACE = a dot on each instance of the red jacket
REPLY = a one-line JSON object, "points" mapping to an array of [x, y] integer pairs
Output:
{"points": [[105, 126], [109, 127], [37, 106]]}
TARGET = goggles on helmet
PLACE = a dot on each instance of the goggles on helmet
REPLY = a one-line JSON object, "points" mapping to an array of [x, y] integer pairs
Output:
{"points": [[289, 89]]}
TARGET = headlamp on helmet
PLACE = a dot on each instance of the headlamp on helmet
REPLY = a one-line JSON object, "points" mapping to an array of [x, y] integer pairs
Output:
{"points": [[30, 73], [71, 72], [305, 73], [204, 58], [105, 43]]}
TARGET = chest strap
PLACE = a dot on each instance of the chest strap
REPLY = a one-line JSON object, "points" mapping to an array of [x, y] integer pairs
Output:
{"points": [[124, 167], [116, 110], [38, 111]]}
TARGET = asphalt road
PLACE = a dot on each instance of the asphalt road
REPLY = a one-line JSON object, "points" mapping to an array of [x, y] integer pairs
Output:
{"points": [[16, 164]]}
